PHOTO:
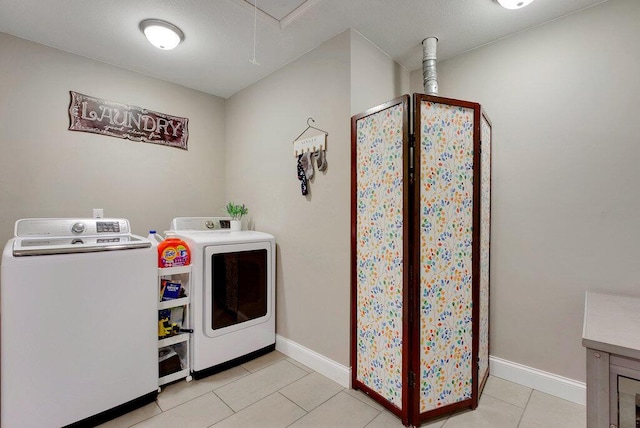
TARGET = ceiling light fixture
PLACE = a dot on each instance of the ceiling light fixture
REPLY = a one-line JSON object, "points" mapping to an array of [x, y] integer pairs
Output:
{"points": [[161, 34], [514, 4]]}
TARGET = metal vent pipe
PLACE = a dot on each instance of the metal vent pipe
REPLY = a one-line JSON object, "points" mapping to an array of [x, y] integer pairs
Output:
{"points": [[429, 74]]}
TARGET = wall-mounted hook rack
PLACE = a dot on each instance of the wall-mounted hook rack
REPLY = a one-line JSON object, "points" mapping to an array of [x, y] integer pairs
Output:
{"points": [[311, 144]]}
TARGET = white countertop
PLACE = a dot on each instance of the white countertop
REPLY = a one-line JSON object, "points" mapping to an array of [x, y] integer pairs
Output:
{"points": [[612, 324]]}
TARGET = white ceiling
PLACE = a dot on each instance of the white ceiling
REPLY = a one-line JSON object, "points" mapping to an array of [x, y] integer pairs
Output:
{"points": [[218, 45]]}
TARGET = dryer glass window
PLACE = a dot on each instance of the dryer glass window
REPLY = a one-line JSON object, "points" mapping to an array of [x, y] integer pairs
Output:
{"points": [[239, 287]]}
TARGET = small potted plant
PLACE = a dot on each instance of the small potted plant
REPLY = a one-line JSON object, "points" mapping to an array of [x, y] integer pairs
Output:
{"points": [[236, 212]]}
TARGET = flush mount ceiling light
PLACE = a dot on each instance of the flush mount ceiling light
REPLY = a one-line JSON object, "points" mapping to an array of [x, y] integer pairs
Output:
{"points": [[161, 34], [513, 4]]}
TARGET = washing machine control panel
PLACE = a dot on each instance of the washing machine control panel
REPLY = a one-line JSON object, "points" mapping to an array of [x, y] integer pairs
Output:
{"points": [[61, 227], [108, 227], [46, 236]]}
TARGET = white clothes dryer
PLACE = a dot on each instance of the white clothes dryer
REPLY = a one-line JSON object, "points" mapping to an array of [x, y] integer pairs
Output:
{"points": [[233, 293]]}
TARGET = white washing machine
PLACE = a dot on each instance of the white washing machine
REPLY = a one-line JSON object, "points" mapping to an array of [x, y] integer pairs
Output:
{"points": [[78, 338], [233, 294]]}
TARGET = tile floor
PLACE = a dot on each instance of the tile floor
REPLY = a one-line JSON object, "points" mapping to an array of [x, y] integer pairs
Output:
{"points": [[276, 391]]}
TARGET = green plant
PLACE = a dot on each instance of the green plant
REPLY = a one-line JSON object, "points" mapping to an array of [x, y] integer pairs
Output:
{"points": [[236, 211]]}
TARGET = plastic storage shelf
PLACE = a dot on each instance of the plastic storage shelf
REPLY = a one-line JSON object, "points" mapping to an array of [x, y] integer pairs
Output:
{"points": [[179, 342]]}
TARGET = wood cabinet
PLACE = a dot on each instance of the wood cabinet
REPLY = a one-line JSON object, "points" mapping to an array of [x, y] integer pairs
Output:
{"points": [[611, 335]]}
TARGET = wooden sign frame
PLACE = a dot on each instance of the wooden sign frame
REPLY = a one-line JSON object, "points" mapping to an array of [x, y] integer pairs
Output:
{"points": [[98, 116]]}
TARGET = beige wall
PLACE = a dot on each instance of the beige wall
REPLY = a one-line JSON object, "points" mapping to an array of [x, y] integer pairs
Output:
{"points": [[48, 171], [563, 101], [375, 77], [313, 232]]}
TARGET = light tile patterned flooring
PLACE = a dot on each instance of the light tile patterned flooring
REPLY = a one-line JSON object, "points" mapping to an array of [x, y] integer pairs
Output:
{"points": [[276, 391]]}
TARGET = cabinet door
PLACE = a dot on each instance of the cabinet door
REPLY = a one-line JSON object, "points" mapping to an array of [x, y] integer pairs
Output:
{"points": [[379, 254], [445, 255]]}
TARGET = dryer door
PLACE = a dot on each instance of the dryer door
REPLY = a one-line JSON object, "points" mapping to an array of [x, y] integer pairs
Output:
{"points": [[238, 286]]}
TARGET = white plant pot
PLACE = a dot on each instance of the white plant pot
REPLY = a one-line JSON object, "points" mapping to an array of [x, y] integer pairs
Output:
{"points": [[236, 225]]}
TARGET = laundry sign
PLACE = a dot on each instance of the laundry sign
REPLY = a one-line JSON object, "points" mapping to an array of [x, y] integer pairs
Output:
{"points": [[98, 116]]}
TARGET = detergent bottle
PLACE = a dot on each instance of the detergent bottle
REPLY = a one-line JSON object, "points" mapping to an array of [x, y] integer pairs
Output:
{"points": [[173, 252], [154, 238]]}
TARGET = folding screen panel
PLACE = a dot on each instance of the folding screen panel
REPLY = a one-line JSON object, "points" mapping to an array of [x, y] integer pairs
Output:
{"points": [[420, 255], [380, 191], [446, 358], [485, 233]]}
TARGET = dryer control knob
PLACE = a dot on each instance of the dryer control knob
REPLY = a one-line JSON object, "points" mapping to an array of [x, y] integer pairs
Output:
{"points": [[209, 224], [78, 227]]}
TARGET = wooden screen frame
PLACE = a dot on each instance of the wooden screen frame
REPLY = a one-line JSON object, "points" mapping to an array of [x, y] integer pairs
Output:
{"points": [[403, 413], [410, 411], [483, 382], [417, 417]]}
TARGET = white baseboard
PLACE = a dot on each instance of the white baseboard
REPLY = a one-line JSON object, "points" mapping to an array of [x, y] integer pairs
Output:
{"points": [[561, 387], [558, 386], [323, 365]]}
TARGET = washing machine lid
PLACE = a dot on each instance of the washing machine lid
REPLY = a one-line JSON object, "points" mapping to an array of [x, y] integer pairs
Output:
{"points": [[43, 236]]}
